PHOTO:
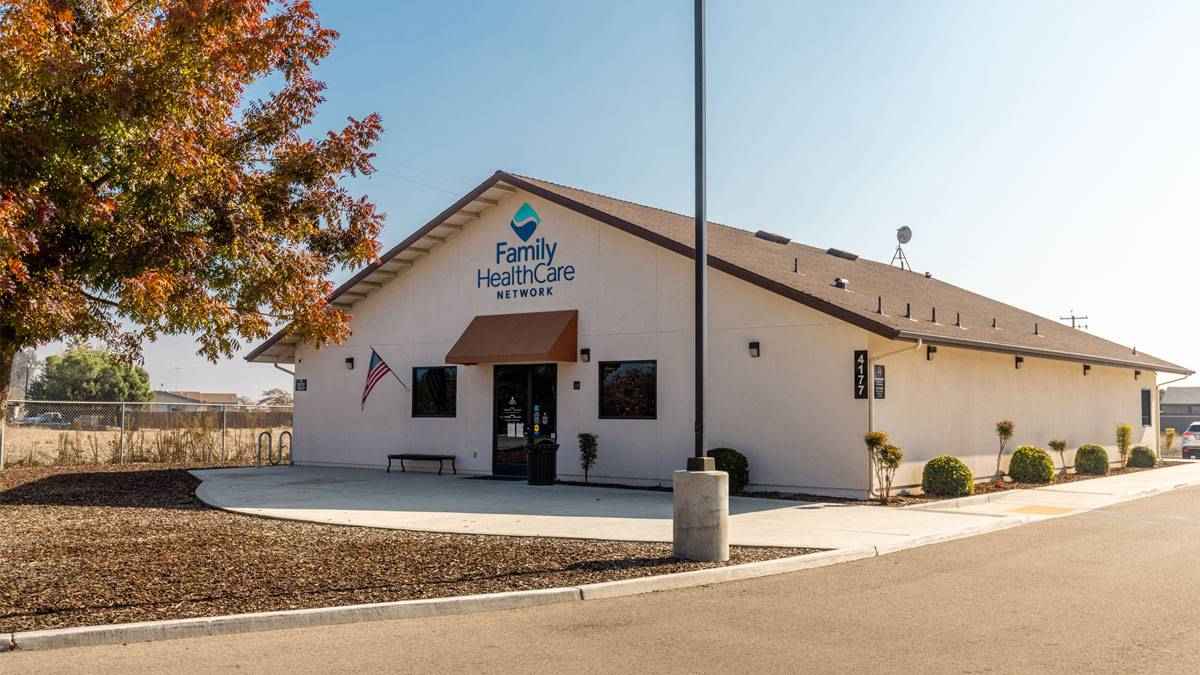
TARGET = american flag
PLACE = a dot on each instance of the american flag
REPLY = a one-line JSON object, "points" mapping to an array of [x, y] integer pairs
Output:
{"points": [[375, 373]]}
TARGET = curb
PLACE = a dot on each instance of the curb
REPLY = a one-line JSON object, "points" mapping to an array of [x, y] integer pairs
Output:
{"points": [[667, 582], [147, 631]]}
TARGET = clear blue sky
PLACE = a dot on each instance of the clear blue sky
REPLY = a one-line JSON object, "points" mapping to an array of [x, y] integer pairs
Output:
{"points": [[1046, 154]]}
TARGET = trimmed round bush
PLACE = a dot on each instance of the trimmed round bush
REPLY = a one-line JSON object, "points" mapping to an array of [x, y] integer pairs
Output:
{"points": [[1142, 457], [947, 476], [1092, 460], [735, 464], [1030, 464]]}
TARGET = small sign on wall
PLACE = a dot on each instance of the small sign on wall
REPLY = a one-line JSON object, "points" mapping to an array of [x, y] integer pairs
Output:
{"points": [[860, 374], [880, 382], [301, 384]]}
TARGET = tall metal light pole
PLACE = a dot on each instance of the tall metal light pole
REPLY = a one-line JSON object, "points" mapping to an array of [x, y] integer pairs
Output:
{"points": [[700, 521], [698, 461]]}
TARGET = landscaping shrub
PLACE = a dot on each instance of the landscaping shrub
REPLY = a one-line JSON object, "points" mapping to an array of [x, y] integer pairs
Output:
{"points": [[1092, 460], [885, 459], [1030, 464], [589, 448], [947, 476], [1124, 438], [1004, 430], [735, 464], [1142, 457], [1060, 447]]}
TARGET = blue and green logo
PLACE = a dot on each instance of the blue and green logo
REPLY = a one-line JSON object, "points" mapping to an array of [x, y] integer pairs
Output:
{"points": [[525, 221], [525, 269]]}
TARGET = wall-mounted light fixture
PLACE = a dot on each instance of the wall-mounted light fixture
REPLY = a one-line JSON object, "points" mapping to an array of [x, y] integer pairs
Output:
{"points": [[1018, 361], [1086, 369], [585, 355], [930, 350], [1137, 374], [349, 363], [755, 349]]}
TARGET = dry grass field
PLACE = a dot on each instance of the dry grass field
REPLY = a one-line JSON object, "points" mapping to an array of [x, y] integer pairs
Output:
{"points": [[43, 446]]}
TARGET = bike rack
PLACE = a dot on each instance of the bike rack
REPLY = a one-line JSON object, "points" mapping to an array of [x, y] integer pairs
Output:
{"points": [[274, 454], [281, 446]]}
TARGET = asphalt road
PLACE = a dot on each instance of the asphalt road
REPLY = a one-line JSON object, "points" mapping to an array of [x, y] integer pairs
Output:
{"points": [[1115, 590]]}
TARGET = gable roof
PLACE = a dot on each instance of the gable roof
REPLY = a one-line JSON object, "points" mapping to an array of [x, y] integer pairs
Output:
{"points": [[198, 396], [1180, 396], [883, 299]]}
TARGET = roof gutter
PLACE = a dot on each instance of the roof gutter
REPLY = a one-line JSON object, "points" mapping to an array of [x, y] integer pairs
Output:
{"points": [[1042, 353]]}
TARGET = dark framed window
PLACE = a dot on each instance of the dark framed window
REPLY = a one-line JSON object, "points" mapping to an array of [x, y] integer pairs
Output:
{"points": [[629, 390], [1147, 415], [435, 391]]}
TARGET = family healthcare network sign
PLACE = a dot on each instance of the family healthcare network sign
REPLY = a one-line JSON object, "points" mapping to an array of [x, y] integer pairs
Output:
{"points": [[524, 269]]}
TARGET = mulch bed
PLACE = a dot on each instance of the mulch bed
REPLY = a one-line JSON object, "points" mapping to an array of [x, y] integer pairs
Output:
{"points": [[113, 544], [980, 488]]}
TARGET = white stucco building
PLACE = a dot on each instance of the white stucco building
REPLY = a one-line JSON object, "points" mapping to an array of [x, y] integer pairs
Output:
{"points": [[530, 308]]}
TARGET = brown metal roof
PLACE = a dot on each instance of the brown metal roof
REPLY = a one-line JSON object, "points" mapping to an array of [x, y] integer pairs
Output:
{"points": [[880, 298], [517, 338]]}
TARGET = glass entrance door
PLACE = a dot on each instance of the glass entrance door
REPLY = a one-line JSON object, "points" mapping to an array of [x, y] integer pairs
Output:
{"points": [[526, 410]]}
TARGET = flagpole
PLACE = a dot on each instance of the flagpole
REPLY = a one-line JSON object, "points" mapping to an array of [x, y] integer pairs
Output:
{"points": [[390, 369]]}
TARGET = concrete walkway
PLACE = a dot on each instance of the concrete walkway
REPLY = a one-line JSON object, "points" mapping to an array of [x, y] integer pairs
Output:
{"points": [[421, 501]]}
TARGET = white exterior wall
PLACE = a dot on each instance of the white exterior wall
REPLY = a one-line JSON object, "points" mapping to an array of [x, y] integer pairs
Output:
{"points": [[950, 405], [790, 411]]}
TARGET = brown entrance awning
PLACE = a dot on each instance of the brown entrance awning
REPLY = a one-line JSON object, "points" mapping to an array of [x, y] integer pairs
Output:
{"points": [[513, 338]]}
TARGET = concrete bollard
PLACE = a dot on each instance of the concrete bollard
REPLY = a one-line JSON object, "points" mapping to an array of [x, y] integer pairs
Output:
{"points": [[701, 522]]}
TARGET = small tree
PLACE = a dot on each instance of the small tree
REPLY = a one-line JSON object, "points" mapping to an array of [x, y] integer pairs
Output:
{"points": [[1061, 448], [1004, 429], [85, 374], [589, 448], [885, 459], [277, 397], [1124, 440]]}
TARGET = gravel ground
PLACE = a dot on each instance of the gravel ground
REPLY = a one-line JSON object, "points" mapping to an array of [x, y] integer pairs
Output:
{"points": [[96, 545]]}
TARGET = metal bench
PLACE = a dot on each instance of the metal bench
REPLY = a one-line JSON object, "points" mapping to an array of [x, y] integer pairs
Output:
{"points": [[412, 456]]}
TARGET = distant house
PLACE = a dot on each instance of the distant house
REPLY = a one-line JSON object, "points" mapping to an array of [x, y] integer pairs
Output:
{"points": [[181, 400], [1179, 407]]}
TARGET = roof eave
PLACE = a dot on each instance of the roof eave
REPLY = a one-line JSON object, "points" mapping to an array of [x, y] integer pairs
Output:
{"points": [[982, 345]]}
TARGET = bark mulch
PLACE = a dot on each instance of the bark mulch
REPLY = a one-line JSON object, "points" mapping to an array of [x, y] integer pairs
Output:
{"points": [[97, 544], [980, 488]]}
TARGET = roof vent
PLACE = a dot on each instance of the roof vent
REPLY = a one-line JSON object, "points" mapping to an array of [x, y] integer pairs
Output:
{"points": [[838, 253], [772, 237], [841, 283], [929, 275]]}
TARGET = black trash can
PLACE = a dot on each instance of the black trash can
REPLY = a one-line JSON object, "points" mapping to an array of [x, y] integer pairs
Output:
{"points": [[543, 462]]}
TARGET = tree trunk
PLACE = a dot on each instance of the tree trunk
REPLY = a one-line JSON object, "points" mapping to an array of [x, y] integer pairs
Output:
{"points": [[8, 354]]}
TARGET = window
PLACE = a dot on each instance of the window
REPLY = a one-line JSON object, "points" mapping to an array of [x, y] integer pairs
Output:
{"points": [[435, 391], [629, 390], [1147, 417]]}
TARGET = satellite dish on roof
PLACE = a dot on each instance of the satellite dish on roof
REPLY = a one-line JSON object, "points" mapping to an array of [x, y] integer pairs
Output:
{"points": [[903, 235]]}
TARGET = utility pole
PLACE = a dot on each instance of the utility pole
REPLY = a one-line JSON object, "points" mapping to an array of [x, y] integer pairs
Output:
{"points": [[1076, 320]]}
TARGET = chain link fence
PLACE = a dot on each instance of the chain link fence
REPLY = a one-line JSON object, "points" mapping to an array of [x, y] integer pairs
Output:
{"points": [[57, 433]]}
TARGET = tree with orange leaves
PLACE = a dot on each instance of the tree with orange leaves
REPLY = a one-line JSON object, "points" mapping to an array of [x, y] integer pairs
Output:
{"points": [[142, 193]]}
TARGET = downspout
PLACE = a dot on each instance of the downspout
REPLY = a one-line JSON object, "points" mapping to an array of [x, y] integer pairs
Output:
{"points": [[1158, 432], [871, 361]]}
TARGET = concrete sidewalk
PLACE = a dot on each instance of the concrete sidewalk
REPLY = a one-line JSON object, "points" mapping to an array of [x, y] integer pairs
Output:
{"points": [[419, 501]]}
